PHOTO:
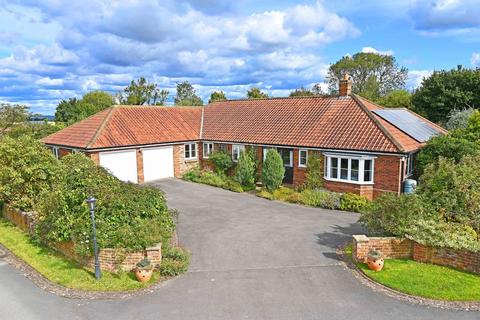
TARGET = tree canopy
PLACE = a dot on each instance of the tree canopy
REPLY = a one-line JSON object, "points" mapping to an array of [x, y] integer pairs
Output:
{"points": [[396, 99], [73, 109], [187, 95], [256, 93], [217, 96], [11, 115], [374, 75], [142, 92], [445, 91]]}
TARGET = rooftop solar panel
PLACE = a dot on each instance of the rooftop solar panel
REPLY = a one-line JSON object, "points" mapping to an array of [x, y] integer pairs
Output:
{"points": [[408, 123]]}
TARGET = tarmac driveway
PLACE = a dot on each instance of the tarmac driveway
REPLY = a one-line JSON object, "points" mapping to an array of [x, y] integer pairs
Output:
{"points": [[251, 259]]}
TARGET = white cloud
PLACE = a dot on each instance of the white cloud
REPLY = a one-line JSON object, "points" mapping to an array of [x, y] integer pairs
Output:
{"points": [[475, 60], [373, 50], [415, 78]]}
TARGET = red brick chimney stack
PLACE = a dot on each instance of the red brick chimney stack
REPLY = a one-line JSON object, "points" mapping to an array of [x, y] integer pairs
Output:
{"points": [[345, 86]]}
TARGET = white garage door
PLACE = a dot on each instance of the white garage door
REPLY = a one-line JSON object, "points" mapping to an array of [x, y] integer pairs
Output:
{"points": [[122, 164], [157, 163]]}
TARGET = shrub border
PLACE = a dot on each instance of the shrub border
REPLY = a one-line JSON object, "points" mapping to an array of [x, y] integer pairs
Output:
{"points": [[412, 299], [45, 284]]}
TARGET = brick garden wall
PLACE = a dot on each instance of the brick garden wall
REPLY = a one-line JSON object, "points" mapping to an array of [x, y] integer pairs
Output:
{"points": [[110, 259], [398, 248]]}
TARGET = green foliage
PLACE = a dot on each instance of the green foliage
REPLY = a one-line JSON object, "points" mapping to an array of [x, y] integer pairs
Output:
{"points": [[174, 262], [354, 202], [273, 170], [186, 95], [301, 92], [11, 115], [73, 110], [399, 98], [374, 75], [314, 172], [144, 264], [27, 170], [472, 131], [256, 93], [445, 91], [221, 161], [213, 179], [458, 119], [127, 216], [142, 92], [453, 146], [35, 130], [217, 96], [245, 170], [321, 198]]}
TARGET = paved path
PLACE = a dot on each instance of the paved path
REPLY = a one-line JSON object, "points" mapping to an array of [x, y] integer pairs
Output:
{"points": [[251, 259]]}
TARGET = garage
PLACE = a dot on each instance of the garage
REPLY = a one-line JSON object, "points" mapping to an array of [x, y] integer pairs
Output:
{"points": [[157, 163], [122, 164]]}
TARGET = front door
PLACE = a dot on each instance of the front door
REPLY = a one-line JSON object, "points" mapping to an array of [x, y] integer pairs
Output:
{"points": [[287, 157]]}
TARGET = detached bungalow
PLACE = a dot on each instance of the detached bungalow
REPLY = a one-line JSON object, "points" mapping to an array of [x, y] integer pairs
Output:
{"points": [[366, 149]]}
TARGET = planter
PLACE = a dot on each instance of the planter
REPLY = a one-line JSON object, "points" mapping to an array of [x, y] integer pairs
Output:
{"points": [[143, 275], [375, 264]]}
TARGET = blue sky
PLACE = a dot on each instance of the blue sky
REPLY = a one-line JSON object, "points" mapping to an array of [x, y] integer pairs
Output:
{"points": [[54, 49]]}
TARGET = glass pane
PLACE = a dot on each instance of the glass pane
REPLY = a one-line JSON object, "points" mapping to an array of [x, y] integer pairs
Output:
{"points": [[367, 174], [354, 172], [193, 150], [344, 169], [187, 151], [333, 169], [303, 158]]}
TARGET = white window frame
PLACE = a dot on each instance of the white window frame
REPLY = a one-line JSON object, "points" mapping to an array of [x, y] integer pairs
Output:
{"points": [[409, 162], [265, 151], [56, 152], [349, 158], [237, 148], [209, 147], [300, 165], [189, 147]]}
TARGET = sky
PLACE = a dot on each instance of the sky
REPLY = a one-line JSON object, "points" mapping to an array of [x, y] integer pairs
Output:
{"points": [[53, 49]]}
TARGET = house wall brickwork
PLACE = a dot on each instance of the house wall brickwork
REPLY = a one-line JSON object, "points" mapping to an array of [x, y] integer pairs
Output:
{"points": [[398, 248], [110, 259], [180, 164], [95, 156], [62, 152]]}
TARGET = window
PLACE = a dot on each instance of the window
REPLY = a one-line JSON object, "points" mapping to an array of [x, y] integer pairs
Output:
{"points": [[354, 169], [410, 162], [191, 151], [236, 149], [265, 151], [302, 158], [207, 149], [287, 156], [55, 152]]}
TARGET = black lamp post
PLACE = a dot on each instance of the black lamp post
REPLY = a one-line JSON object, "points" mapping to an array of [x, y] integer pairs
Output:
{"points": [[91, 203]]}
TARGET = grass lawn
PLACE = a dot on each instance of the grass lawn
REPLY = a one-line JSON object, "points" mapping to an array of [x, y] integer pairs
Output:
{"points": [[61, 270], [425, 280]]}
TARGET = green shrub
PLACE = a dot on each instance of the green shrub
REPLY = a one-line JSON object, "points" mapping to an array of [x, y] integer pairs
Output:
{"points": [[245, 170], [212, 179], [221, 161], [354, 202], [273, 170], [265, 194], [321, 198], [282, 193], [27, 171], [313, 173], [127, 216], [295, 197], [232, 185], [193, 175], [174, 262]]}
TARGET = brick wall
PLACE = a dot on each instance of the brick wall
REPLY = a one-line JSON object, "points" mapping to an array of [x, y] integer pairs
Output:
{"points": [[181, 165], [94, 156], [398, 248], [63, 152], [110, 259], [387, 176]]}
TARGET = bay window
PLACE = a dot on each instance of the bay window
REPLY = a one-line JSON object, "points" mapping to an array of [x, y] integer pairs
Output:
{"points": [[236, 149], [190, 151], [207, 149], [353, 169]]}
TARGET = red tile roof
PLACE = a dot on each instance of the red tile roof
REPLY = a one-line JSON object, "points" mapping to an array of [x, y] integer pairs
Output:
{"points": [[344, 123], [131, 125]]}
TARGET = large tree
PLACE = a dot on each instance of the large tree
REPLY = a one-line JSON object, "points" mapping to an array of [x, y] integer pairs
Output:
{"points": [[142, 92], [217, 96], [445, 91], [397, 99], [256, 93], [11, 115], [73, 109], [374, 75], [186, 95]]}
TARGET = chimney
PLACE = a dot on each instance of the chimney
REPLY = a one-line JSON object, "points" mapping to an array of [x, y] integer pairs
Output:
{"points": [[345, 86]]}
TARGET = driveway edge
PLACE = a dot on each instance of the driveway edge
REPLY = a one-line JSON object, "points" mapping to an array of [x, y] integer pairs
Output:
{"points": [[377, 287]]}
